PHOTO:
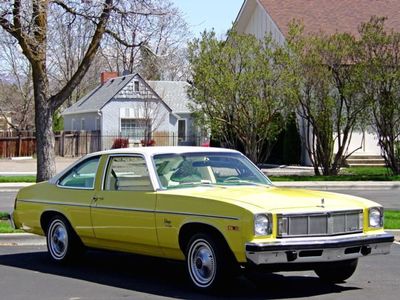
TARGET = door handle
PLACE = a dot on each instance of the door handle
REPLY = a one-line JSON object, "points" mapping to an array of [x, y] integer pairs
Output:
{"points": [[95, 198]]}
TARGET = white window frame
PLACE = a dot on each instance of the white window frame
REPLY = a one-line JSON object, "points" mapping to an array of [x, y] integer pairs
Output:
{"points": [[82, 123], [73, 124], [185, 136], [136, 83], [97, 124]]}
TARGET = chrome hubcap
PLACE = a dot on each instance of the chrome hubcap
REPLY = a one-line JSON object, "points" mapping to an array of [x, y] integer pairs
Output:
{"points": [[202, 263], [58, 239]]}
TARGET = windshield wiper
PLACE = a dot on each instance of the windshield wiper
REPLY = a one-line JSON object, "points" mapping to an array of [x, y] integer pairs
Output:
{"points": [[202, 182], [246, 182]]}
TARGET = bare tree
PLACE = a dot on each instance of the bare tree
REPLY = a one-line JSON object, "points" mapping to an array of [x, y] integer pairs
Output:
{"points": [[16, 97], [159, 44], [28, 22]]}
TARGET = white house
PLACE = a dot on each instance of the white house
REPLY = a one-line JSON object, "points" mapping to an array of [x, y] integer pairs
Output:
{"points": [[128, 106], [271, 17]]}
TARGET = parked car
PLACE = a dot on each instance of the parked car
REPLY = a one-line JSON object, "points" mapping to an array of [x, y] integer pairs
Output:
{"points": [[210, 207]]}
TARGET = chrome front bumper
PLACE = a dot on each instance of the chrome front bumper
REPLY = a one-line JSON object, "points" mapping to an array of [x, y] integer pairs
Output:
{"points": [[310, 250]]}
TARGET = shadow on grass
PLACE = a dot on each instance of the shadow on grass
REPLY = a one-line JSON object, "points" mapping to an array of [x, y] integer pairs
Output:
{"points": [[166, 278]]}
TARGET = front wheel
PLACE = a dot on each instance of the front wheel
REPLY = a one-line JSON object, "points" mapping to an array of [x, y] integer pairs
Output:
{"points": [[62, 242], [208, 262], [336, 272]]}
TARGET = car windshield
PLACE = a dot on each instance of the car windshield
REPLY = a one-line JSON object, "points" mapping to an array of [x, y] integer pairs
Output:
{"points": [[219, 168]]}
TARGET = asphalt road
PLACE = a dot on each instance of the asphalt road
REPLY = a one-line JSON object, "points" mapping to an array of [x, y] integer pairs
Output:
{"points": [[389, 198], [27, 273]]}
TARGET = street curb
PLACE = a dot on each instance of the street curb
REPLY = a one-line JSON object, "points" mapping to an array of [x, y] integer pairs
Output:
{"points": [[21, 239]]}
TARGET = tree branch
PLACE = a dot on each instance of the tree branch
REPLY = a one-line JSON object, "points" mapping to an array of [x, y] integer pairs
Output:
{"points": [[57, 99]]}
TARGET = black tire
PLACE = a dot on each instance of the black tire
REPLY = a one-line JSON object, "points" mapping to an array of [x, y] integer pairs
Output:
{"points": [[209, 262], [63, 244], [336, 272]]}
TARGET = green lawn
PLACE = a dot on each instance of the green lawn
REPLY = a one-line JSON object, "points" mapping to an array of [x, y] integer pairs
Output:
{"points": [[4, 179], [5, 225], [347, 174], [392, 219]]}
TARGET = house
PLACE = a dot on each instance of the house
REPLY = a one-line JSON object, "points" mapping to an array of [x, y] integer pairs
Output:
{"points": [[131, 107], [5, 121], [271, 17]]}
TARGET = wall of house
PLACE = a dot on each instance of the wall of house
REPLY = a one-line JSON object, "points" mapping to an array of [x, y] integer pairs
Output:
{"points": [[261, 24], [111, 115], [91, 121], [367, 142]]}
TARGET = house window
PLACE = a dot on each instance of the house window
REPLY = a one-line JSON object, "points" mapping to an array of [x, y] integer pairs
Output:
{"points": [[97, 124], [182, 130], [136, 83], [135, 128], [73, 124], [83, 124]]}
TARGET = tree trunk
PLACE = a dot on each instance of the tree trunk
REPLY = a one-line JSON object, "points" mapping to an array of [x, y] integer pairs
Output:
{"points": [[45, 141]]}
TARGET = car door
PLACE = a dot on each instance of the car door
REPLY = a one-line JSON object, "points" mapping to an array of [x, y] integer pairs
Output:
{"points": [[74, 191], [123, 210]]}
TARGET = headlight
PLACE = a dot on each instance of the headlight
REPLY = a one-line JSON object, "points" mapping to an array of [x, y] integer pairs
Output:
{"points": [[262, 224], [375, 217]]}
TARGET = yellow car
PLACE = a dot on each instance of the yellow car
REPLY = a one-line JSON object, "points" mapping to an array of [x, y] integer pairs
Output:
{"points": [[211, 207]]}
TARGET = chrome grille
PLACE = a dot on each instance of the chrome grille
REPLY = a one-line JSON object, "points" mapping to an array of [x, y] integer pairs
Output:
{"points": [[320, 224]]}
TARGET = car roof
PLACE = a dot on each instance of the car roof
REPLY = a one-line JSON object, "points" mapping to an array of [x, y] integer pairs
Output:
{"points": [[164, 150]]}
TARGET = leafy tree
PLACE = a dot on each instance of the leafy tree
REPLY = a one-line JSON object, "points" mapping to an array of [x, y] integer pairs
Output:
{"points": [[381, 69], [31, 24], [329, 82], [241, 90]]}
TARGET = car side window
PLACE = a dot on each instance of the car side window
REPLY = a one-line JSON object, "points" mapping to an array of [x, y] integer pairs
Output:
{"points": [[82, 175], [127, 173]]}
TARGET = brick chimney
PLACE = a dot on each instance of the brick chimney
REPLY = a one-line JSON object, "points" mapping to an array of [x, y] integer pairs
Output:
{"points": [[104, 76]]}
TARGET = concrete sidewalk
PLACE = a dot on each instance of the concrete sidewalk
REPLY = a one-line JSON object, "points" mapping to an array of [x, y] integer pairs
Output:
{"points": [[22, 167]]}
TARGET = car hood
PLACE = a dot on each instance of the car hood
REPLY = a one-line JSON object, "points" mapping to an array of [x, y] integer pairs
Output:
{"points": [[276, 199]]}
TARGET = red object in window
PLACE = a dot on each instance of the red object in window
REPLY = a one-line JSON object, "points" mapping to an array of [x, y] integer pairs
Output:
{"points": [[120, 143], [206, 144], [147, 143]]}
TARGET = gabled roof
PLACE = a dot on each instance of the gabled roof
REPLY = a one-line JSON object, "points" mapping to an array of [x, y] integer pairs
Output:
{"points": [[174, 93], [98, 97], [330, 16]]}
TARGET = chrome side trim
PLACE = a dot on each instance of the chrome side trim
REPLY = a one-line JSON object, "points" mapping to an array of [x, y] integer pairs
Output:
{"points": [[54, 203], [129, 209], [123, 208], [197, 215]]}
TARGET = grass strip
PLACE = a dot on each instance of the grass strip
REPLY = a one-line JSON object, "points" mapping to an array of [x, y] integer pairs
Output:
{"points": [[392, 219], [27, 178], [5, 225]]}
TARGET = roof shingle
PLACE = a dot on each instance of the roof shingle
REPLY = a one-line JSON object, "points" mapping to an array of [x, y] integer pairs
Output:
{"points": [[331, 16]]}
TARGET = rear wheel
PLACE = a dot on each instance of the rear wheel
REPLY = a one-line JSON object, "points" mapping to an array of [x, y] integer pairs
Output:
{"points": [[208, 261], [336, 272], [62, 242]]}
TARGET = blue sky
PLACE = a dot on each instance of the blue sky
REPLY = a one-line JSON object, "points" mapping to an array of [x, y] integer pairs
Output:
{"points": [[208, 14]]}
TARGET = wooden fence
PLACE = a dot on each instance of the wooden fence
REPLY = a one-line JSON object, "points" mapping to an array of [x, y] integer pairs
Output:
{"points": [[78, 143]]}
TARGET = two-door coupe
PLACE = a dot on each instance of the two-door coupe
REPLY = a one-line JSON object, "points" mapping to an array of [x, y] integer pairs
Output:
{"points": [[211, 207]]}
